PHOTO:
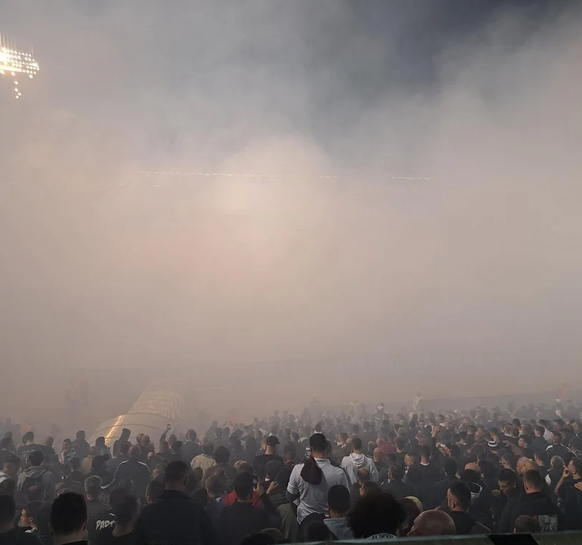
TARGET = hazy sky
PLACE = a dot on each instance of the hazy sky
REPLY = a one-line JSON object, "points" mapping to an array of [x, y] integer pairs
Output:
{"points": [[477, 269]]}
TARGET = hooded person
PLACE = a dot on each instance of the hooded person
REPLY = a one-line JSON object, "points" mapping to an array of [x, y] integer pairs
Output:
{"points": [[357, 460], [310, 482], [35, 476]]}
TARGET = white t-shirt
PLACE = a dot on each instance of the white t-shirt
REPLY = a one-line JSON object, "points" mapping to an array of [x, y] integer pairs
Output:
{"points": [[313, 497]]}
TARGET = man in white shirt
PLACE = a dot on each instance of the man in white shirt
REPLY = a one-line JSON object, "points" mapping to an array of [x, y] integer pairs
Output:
{"points": [[357, 460], [310, 482]]}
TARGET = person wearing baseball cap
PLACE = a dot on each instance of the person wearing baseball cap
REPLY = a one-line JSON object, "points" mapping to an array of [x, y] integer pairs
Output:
{"points": [[261, 460]]}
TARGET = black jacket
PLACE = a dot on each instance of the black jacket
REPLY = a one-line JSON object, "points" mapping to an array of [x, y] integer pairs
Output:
{"points": [[175, 519], [239, 520], [465, 524], [508, 515], [399, 489], [438, 493], [539, 506], [138, 472]]}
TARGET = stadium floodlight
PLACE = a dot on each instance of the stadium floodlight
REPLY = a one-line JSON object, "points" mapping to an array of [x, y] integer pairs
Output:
{"points": [[16, 64]]}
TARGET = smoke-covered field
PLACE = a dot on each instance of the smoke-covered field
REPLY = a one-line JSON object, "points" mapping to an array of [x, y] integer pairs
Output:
{"points": [[323, 275]]}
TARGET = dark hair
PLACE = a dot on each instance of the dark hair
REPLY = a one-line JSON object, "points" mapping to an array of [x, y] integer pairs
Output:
{"points": [[13, 460], [507, 476], [208, 448], [577, 463], [541, 430], [7, 508], [400, 443], [28, 436], [412, 511], [533, 479], [318, 442], [155, 490], [338, 498], [124, 508], [370, 487], [243, 486], [470, 476], [425, 451], [356, 443], [397, 471], [376, 514], [5, 443], [176, 472], [68, 514], [32, 509], [222, 455], [450, 467], [259, 538], [35, 458], [461, 493]]}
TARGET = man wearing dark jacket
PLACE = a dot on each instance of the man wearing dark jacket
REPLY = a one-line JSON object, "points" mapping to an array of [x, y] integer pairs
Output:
{"points": [[537, 505], [396, 485], [241, 518], [459, 501], [438, 494], [136, 471], [175, 518], [513, 491]]}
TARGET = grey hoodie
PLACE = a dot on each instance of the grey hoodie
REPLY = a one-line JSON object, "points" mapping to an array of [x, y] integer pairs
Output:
{"points": [[46, 478], [339, 528], [354, 461]]}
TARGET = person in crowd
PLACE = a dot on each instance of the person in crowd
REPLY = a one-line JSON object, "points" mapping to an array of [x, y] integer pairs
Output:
{"points": [[67, 482], [339, 502], [36, 475], [102, 448], [437, 495], [76, 473], [277, 493], [459, 502], [310, 482], [6, 449], [68, 519], [261, 460], [67, 452], [28, 447], [191, 448], [125, 511], [96, 509], [222, 457], [80, 445], [205, 460], [134, 470], [526, 525], [123, 438], [29, 516], [376, 516], [396, 485], [242, 518], [122, 456], [433, 522], [9, 533], [412, 508], [10, 468], [512, 489], [537, 504], [175, 519], [556, 448], [357, 460], [570, 495]]}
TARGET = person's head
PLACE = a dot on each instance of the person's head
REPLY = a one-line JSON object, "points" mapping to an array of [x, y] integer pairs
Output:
{"points": [[222, 455], [356, 445], [524, 441], [125, 510], [80, 435], [176, 476], [400, 443], [68, 519], [338, 499], [532, 481], [208, 448], [342, 438], [575, 467], [35, 458], [556, 438], [6, 443], [556, 463], [377, 513], [450, 468], [49, 442], [191, 436], [396, 472], [507, 481], [176, 447], [28, 438], [11, 465], [412, 509], [458, 497], [93, 487], [154, 491], [243, 486], [318, 445], [7, 510], [433, 522], [134, 452], [289, 452], [29, 514], [125, 433], [539, 431], [508, 460], [271, 444], [526, 525], [100, 442]]}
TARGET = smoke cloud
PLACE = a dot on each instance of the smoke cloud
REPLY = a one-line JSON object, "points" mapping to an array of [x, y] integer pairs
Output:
{"points": [[323, 274]]}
